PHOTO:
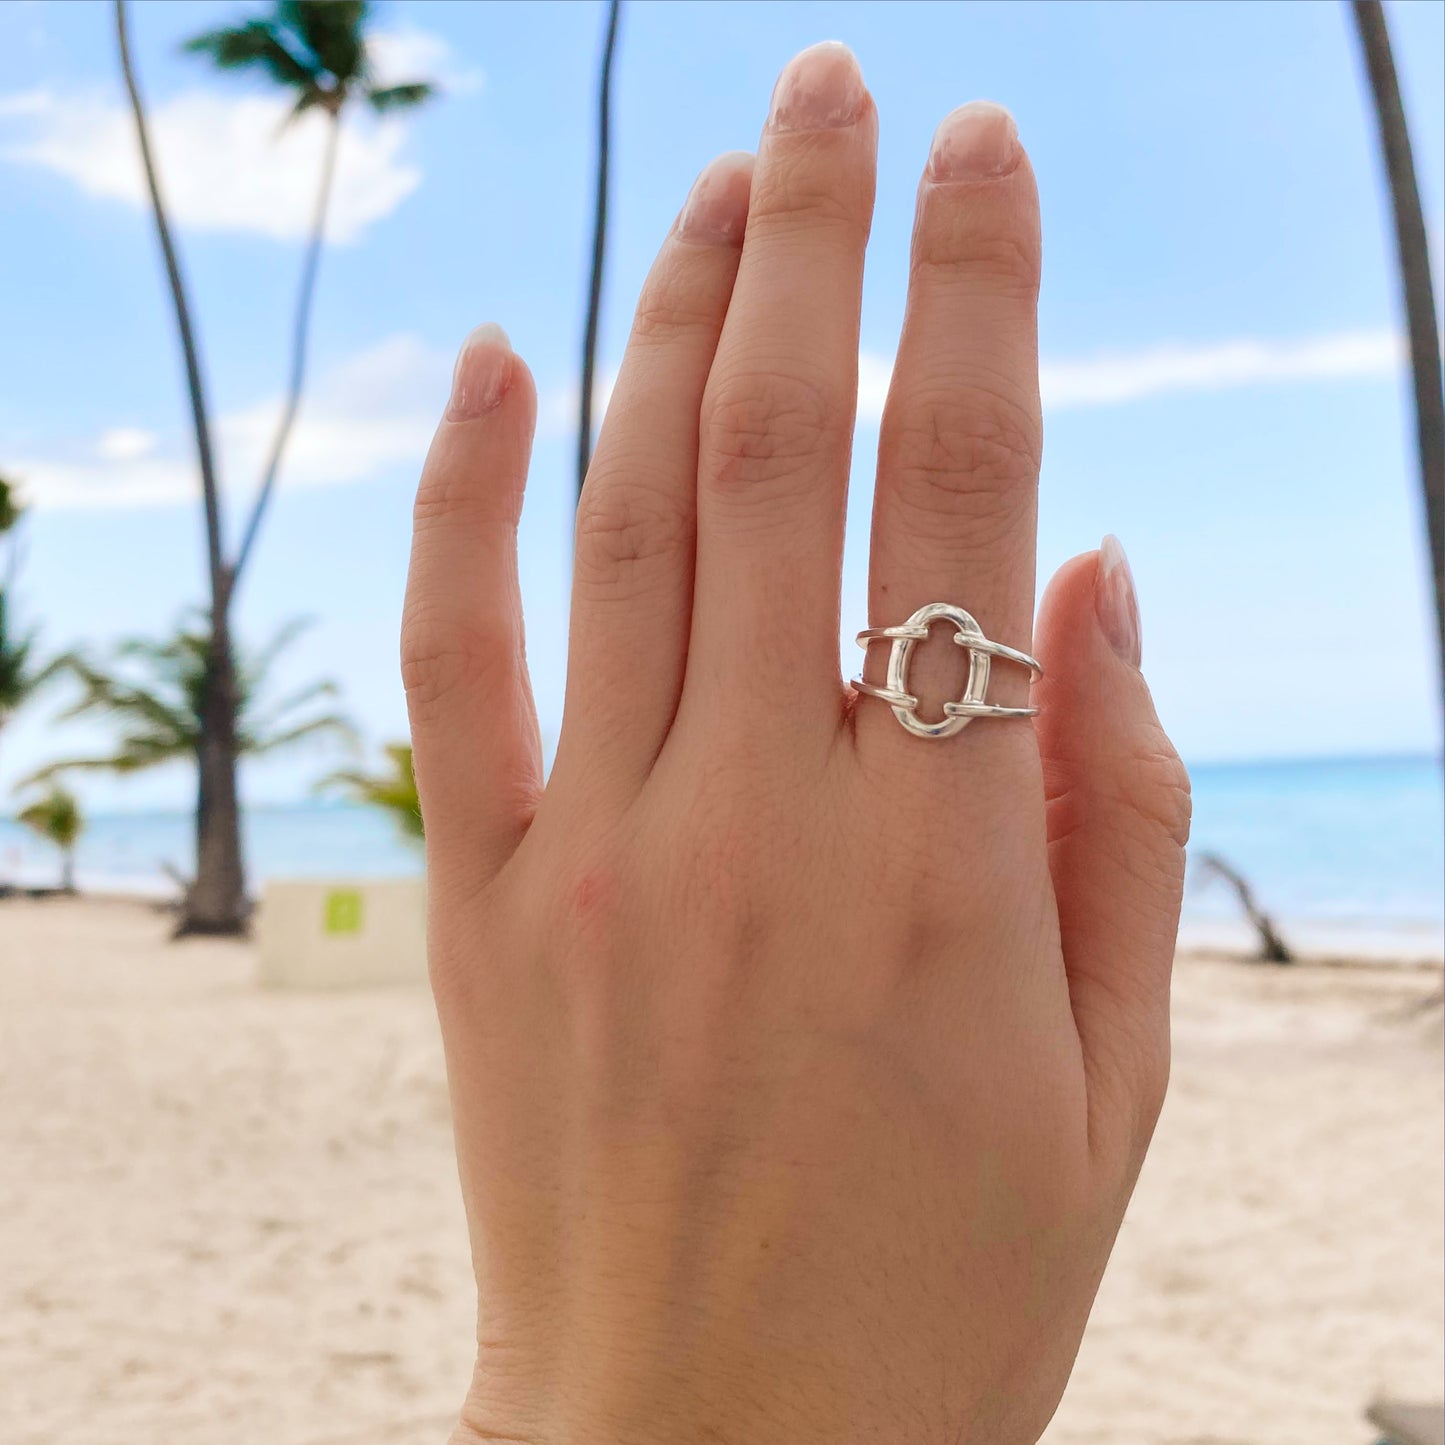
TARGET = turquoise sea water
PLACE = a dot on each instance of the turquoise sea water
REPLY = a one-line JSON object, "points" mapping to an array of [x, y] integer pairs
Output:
{"points": [[1345, 852]]}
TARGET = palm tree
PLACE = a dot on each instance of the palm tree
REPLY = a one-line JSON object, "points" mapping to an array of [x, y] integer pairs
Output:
{"points": [[157, 691], [19, 677], [57, 818], [599, 243], [10, 507], [1419, 294], [326, 42], [393, 789], [315, 50], [19, 674]]}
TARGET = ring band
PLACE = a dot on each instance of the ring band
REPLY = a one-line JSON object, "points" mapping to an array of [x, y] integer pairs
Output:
{"points": [[967, 634]]}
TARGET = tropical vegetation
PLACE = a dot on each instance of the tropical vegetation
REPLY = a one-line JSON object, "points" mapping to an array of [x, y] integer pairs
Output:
{"points": [[393, 789], [20, 671], [155, 691], [56, 817], [317, 51]]}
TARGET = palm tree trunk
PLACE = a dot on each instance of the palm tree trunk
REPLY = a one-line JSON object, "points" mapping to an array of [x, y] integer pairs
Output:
{"points": [[1414, 255], [300, 336], [216, 902], [67, 870], [599, 245]]}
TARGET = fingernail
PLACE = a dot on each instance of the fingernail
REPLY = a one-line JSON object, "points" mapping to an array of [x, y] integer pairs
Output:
{"points": [[717, 205], [977, 142], [820, 89], [483, 373], [1116, 604]]}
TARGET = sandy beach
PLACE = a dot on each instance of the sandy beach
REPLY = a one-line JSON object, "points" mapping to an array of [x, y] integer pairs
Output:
{"points": [[230, 1215]]}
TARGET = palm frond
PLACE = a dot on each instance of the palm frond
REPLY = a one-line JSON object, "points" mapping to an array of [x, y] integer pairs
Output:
{"points": [[332, 31], [399, 97], [329, 724], [10, 508], [106, 695], [278, 712], [256, 45], [394, 791], [56, 817], [134, 755], [18, 679], [258, 664], [155, 689]]}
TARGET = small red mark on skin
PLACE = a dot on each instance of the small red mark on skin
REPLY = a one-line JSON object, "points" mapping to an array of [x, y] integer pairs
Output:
{"points": [[590, 899]]}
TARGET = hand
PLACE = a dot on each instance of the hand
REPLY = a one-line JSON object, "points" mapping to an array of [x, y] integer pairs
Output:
{"points": [[801, 1067]]}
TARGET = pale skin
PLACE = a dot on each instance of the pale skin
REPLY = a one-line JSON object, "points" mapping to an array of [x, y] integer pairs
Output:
{"points": [[801, 1068]]}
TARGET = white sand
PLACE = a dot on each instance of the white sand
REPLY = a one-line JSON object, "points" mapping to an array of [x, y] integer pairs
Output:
{"points": [[231, 1216]]}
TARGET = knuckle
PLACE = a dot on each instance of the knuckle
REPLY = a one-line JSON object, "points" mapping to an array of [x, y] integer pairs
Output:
{"points": [[446, 495], [441, 659], [1157, 788], [1152, 1086], [671, 310], [767, 426], [977, 463], [797, 193], [624, 528], [1005, 261]]}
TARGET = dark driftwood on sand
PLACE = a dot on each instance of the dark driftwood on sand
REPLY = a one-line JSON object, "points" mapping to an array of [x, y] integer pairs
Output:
{"points": [[1272, 948]]}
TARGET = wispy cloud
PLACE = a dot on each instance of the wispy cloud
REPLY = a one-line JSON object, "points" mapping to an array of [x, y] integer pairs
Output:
{"points": [[374, 413], [1112, 380], [230, 161], [1115, 379]]}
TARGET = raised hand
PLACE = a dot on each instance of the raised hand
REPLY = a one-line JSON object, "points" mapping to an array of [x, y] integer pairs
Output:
{"points": [[801, 1066]]}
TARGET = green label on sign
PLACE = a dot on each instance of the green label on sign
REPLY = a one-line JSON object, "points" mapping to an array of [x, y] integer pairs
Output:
{"points": [[343, 911]]}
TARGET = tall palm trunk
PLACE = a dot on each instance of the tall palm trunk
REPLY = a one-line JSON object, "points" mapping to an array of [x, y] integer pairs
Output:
{"points": [[599, 245], [300, 335], [1414, 254], [216, 901]]}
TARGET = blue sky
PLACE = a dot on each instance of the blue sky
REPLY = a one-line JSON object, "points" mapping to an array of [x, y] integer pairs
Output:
{"points": [[1219, 322]]}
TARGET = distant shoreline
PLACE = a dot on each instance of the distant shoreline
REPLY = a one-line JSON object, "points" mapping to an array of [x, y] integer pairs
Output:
{"points": [[309, 803], [1317, 945], [1345, 854]]}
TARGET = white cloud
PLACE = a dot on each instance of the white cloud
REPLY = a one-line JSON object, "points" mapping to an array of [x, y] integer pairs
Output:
{"points": [[125, 444], [557, 410], [375, 414], [227, 162], [1115, 379], [405, 53], [1111, 380], [874, 374], [371, 414]]}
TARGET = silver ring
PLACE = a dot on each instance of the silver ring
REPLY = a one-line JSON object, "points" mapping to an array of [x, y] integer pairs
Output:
{"points": [[981, 652]]}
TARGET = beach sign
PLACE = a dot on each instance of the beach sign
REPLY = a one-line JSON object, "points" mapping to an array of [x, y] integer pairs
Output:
{"points": [[343, 911], [342, 932]]}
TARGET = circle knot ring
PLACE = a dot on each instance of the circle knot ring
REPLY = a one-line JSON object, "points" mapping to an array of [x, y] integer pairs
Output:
{"points": [[981, 652]]}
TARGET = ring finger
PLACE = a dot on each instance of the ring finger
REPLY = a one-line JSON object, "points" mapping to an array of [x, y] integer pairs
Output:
{"points": [[954, 517]]}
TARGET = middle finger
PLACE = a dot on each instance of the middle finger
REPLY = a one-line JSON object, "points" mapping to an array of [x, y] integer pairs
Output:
{"points": [[777, 414]]}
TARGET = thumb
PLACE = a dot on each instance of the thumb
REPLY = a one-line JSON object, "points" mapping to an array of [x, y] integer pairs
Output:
{"points": [[1118, 819]]}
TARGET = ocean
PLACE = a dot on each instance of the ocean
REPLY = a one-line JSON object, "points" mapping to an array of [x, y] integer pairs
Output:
{"points": [[1348, 855]]}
